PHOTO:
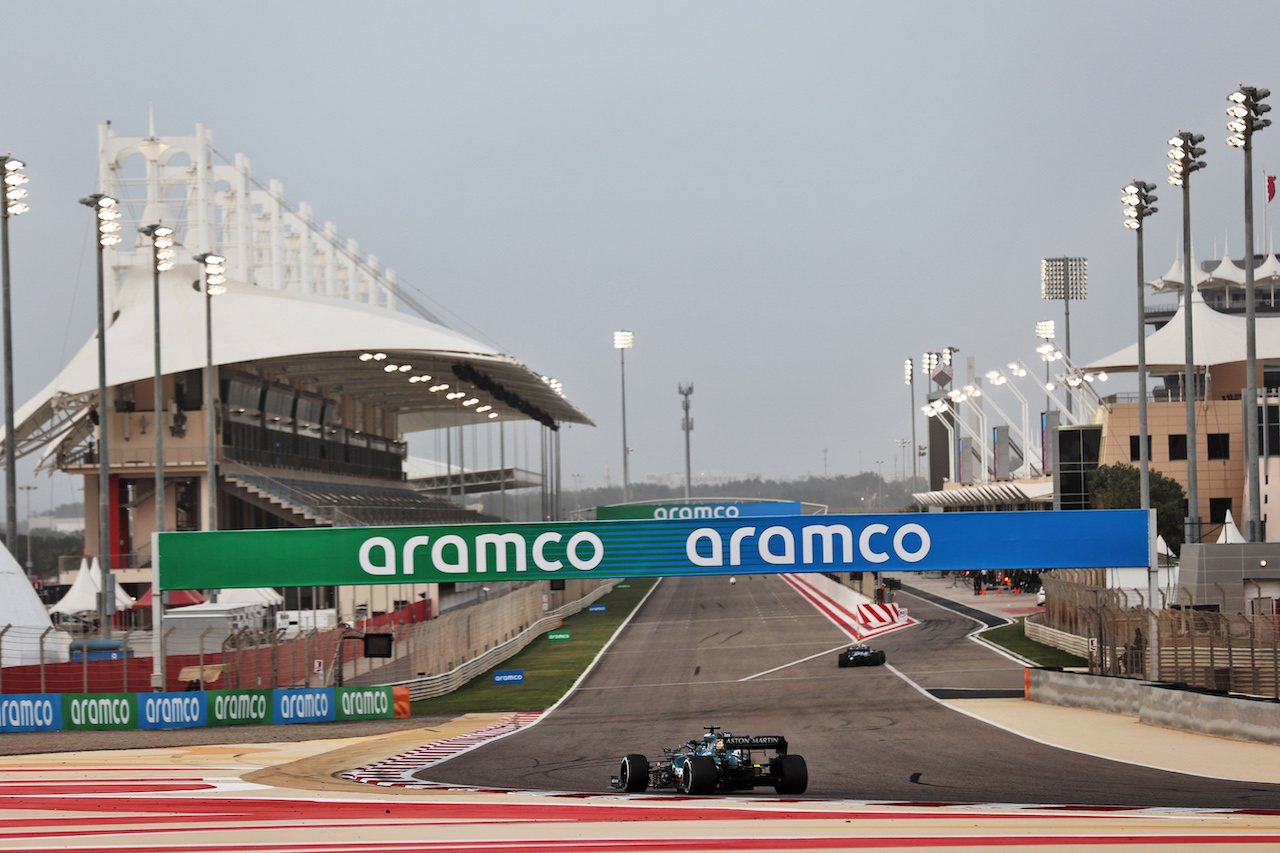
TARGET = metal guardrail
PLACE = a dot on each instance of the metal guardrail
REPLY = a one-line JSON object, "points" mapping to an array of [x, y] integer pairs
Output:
{"points": [[1199, 645]]}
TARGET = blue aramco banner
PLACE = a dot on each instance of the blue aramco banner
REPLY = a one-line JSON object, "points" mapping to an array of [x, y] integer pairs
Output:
{"points": [[656, 548], [31, 712], [184, 710], [313, 705]]}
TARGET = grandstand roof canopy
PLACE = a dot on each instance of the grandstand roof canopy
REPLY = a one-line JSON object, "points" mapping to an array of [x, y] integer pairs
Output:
{"points": [[1217, 338], [301, 304], [314, 342]]}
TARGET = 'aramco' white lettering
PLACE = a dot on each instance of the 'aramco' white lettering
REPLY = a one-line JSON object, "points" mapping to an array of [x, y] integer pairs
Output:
{"points": [[297, 706], [240, 706], [819, 544], [899, 542], [490, 552], [683, 512], [26, 713], [365, 703], [171, 709], [101, 712]]}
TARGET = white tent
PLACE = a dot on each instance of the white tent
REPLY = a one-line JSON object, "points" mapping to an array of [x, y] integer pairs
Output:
{"points": [[83, 595], [1230, 534], [26, 619], [255, 595]]}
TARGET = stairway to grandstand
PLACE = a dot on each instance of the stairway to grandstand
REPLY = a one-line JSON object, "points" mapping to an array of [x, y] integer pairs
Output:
{"points": [[328, 504]]}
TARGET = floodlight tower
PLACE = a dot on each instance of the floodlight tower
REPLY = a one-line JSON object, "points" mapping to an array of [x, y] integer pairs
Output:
{"points": [[161, 261], [1246, 112], [1139, 203], [106, 213], [686, 424], [1185, 155], [13, 205], [1045, 331], [1065, 279], [622, 341], [915, 456], [215, 284]]}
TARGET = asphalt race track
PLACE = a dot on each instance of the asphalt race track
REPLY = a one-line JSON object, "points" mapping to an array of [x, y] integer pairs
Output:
{"points": [[756, 659]]}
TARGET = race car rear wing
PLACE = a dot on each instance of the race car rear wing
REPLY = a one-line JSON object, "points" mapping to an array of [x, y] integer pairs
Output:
{"points": [[777, 742]]}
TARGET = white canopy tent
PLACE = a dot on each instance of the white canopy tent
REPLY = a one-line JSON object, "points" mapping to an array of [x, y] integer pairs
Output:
{"points": [[1230, 534], [82, 597], [256, 595], [26, 619]]}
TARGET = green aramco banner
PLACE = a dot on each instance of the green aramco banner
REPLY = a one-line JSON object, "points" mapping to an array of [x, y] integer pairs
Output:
{"points": [[352, 556]]}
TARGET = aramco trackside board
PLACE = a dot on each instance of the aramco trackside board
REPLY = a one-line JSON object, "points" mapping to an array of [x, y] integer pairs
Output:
{"points": [[797, 543]]}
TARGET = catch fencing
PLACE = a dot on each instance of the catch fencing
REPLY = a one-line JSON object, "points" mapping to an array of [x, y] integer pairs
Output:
{"points": [[1199, 645], [431, 657]]}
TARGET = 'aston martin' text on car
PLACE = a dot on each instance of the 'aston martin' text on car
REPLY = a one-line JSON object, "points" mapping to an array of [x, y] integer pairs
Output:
{"points": [[718, 761], [860, 655]]}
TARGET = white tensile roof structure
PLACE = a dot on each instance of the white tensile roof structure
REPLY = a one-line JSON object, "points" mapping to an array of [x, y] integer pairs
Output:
{"points": [[1217, 338], [300, 304]]}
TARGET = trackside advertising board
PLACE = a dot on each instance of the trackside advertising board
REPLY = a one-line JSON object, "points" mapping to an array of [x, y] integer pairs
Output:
{"points": [[347, 556], [31, 712], [681, 512], [188, 709], [99, 711], [185, 710], [364, 703], [239, 707]]}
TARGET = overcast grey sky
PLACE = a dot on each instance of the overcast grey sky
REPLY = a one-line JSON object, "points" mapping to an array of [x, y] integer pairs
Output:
{"points": [[783, 200]]}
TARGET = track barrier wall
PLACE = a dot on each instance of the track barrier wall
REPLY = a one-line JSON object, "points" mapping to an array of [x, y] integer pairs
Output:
{"points": [[1174, 706]]}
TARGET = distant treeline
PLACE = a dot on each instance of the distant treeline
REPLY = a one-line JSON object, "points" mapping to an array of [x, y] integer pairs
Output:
{"points": [[865, 492]]}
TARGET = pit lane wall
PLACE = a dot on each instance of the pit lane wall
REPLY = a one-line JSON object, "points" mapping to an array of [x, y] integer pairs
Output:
{"points": [[34, 712], [1173, 706]]}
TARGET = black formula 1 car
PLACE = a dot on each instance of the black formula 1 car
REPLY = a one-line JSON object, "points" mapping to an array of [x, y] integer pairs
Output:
{"points": [[860, 655], [718, 761]]}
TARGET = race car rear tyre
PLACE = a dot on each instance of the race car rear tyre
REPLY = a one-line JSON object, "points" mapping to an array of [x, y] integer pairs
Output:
{"points": [[634, 774], [842, 661], [793, 775], [700, 775], [880, 658]]}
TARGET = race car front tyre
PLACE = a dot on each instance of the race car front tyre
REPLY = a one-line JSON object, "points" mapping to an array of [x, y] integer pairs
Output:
{"points": [[880, 658], [634, 773], [700, 775], [793, 775], [842, 661]]}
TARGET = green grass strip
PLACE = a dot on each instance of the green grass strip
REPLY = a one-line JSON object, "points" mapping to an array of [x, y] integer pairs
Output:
{"points": [[1011, 637], [550, 666]]}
